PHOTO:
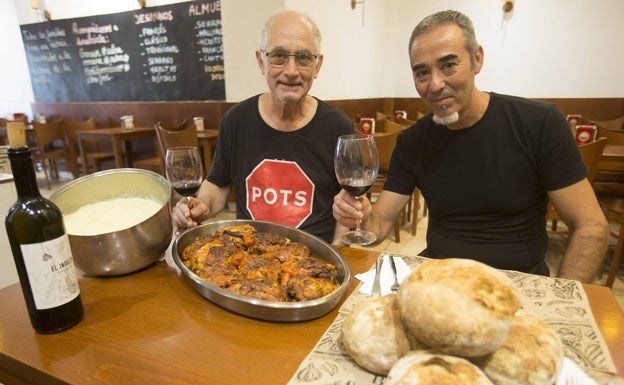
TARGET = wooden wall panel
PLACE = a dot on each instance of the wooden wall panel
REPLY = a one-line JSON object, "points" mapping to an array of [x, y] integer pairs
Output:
{"points": [[148, 113], [107, 114], [365, 108], [590, 108]]}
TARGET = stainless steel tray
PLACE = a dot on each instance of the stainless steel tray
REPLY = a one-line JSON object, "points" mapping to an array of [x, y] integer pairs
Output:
{"points": [[261, 309]]}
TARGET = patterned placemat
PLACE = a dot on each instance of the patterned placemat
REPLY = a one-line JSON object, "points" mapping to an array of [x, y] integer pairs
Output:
{"points": [[561, 303]]}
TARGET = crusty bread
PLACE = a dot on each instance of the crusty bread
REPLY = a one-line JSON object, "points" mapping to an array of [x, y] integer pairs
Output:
{"points": [[428, 368], [531, 354], [458, 306], [373, 334]]}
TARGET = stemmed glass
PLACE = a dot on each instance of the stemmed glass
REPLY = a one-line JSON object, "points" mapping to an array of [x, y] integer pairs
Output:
{"points": [[184, 169], [356, 164]]}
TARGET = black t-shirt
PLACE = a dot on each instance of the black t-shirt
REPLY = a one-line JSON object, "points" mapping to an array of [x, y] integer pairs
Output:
{"points": [[283, 177], [485, 186]]}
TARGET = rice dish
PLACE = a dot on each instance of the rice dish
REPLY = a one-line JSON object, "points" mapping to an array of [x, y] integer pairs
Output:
{"points": [[110, 215]]}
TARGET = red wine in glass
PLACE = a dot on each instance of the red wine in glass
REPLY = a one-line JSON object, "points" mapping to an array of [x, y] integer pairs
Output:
{"points": [[184, 169], [186, 189], [356, 187], [356, 164]]}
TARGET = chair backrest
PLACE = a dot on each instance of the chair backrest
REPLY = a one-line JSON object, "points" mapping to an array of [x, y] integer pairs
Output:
{"points": [[394, 127], [386, 125], [48, 133], [173, 127], [614, 137], [405, 121], [171, 138], [591, 154], [381, 115], [385, 143], [73, 127], [616, 124]]}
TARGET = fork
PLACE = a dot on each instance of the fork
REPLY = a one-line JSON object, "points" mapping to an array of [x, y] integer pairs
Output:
{"points": [[395, 286]]}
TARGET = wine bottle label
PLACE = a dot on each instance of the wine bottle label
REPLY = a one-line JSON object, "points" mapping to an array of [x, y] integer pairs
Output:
{"points": [[51, 272]]}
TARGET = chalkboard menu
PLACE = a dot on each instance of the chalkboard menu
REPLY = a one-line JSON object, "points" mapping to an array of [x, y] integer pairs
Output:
{"points": [[163, 53]]}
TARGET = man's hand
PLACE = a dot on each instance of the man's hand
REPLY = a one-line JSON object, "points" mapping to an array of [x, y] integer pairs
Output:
{"points": [[187, 212], [349, 210]]}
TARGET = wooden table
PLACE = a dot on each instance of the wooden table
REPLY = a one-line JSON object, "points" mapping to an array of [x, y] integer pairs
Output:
{"points": [[151, 327], [208, 141], [31, 139], [612, 158], [120, 138]]}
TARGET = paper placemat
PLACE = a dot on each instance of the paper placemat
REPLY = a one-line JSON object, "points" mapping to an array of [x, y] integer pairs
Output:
{"points": [[561, 303]]}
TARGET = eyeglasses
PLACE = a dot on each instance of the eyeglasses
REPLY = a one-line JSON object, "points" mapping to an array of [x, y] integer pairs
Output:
{"points": [[280, 58]]}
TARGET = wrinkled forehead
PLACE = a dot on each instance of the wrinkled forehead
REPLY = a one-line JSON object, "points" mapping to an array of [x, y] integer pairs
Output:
{"points": [[292, 35], [438, 42]]}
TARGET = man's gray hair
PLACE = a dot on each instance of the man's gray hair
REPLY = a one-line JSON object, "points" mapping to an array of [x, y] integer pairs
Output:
{"points": [[262, 43], [449, 17]]}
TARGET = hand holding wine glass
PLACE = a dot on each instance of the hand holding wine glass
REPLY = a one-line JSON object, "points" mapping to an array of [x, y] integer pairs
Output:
{"points": [[184, 169], [356, 164]]}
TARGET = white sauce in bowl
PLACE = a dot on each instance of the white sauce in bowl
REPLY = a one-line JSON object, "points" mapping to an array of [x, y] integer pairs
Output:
{"points": [[110, 215]]}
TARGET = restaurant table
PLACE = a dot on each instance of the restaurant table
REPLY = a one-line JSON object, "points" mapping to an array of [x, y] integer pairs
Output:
{"points": [[207, 140], [28, 129], [120, 138], [612, 158], [151, 327]]}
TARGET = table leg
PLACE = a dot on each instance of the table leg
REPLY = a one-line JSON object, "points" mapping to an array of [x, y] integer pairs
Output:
{"points": [[83, 156], [128, 149], [119, 163]]}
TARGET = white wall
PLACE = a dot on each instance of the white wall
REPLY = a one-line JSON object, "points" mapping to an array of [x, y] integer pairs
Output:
{"points": [[549, 49]]}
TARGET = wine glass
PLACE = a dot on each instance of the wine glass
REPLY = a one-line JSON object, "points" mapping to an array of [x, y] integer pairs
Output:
{"points": [[356, 164], [184, 169]]}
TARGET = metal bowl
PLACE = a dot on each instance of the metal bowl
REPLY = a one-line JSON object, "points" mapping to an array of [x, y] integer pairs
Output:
{"points": [[262, 309], [124, 251]]}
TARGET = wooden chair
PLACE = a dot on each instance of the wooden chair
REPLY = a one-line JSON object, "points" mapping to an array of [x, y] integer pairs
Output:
{"points": [[405, 121], [386, 126], [591, 154], [391, 127], [609, 175], [156, 163], [614, 209], [173, 127], [381, 116], [95, 156], [616, 124], [176, 138], [51, 145]]}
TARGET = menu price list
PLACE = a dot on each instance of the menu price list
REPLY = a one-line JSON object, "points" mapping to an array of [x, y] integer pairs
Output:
{"points": [[161, 53]]}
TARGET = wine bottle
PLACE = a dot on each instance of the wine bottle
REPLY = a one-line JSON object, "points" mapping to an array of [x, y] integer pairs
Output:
{"points": [[41, 252]]}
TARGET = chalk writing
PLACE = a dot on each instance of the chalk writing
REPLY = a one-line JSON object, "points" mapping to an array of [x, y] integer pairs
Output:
{"points": [[170, 52]]}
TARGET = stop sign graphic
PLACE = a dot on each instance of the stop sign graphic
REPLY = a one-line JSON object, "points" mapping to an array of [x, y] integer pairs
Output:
{"points": [[279, 191]]}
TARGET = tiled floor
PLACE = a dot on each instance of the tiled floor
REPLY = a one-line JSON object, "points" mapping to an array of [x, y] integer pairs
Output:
{"points": [[412, 245]]}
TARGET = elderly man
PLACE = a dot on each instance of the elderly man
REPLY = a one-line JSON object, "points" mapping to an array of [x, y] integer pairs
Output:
{"points": [[486, 164], [276, 149]]}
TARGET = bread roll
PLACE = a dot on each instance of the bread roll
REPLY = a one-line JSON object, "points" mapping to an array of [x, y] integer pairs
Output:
{"points": [[373, 334], [428, 368], [531, 354], [458, 306]]}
